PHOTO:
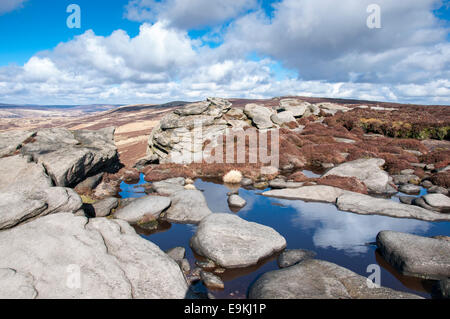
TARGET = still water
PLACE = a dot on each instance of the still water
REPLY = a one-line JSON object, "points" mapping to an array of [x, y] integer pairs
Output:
{"points": [[339, 237]]}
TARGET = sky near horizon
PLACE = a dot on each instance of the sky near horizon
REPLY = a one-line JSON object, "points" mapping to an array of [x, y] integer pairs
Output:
{"points": [[151, 51]]}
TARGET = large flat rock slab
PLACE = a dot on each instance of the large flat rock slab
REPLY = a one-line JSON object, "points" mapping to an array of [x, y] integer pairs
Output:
{"points": [[142, 207], [188, 207], [317, 279], [368, 205], [76, 258], [417, 256], [232, 242], [368, 171], [316, 193]]}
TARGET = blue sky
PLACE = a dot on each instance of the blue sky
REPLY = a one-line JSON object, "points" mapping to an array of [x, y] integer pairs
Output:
{"points": [[240, 48]]}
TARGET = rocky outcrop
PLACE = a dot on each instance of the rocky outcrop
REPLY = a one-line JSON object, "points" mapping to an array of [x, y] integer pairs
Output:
{"points": [[417, 256], [260, 115], [368, 205], [179, 139], [16, 208], [70, 156], [63, 256], [317, 279], [232, 242], [368, 171]]}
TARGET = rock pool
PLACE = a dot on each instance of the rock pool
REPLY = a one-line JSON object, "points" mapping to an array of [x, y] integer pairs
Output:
{"points": [[340, 237]]}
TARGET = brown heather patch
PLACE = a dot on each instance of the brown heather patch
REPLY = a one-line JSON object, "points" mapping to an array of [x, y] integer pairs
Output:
{"points": [[441, 179], [347, 183]]}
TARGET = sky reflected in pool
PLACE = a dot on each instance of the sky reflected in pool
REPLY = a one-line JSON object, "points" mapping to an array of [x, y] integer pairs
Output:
{"points": [[339, 237]]}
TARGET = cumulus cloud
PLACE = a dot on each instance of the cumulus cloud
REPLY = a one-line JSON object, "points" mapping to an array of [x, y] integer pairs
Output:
{"points": [[327, 39], [10, 5], [190, 14], [307, 48]]}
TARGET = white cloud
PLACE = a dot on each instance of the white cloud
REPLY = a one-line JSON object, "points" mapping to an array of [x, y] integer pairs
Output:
{"points": [[10, 5], [347, 231], [335, 55], [328, 39], [190, 14]]}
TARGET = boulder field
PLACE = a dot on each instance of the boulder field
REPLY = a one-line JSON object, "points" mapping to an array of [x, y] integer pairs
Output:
{"points": [[65, 234]]}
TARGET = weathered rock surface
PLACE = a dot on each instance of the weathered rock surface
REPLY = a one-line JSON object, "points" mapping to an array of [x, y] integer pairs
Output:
{"points": [[19, 174], [141, 207], [291, 257], [211, 281], [368, 205], [317, 279], [16, 208], [169, 186], [368, 171], [319, 193], [236, 201], [12, 141], [232, 242], [106, 257], [15, 285], [260, 115], [295, 107], [281, 183], [103, 207], [405, 179], [188, 207], [438, 201], [69, 157], [177, 254], [89, 184], [410, 189], [283, 118], [417, 256]]}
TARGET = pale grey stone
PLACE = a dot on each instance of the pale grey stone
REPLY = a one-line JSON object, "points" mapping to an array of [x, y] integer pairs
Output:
{"points": [[236, 201], [177, 254], [410, 189], [438, 201], [283, 118], [103, 207], [12, 141], [260, 115], [291, 257], [113, 261], [69, 157], [15, 285], [138, 209], [416, 256], [368, 205], [317, 279], [316, 193], [16, 208], [232, 242], [188, 207], [368, 171], [211, 281]]}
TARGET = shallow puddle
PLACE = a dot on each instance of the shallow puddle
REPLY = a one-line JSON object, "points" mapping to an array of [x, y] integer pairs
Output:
{"points": [[339, 237]]}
